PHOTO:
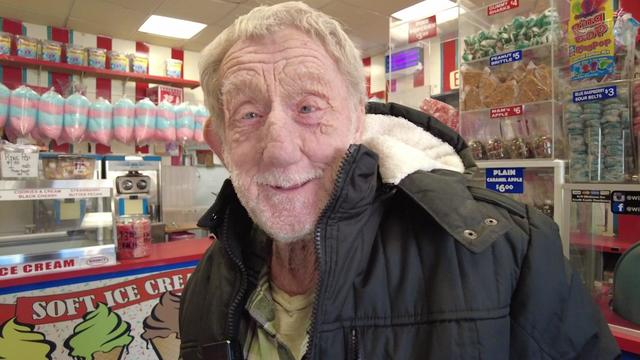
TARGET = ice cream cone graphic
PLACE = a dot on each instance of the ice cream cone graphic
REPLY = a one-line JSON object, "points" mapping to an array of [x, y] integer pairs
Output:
{"points": [[102, 335], [161, 327], [19, 341]]}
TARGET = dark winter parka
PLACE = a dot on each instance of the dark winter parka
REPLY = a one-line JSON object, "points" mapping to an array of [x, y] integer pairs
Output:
{"points": [[414, 264]]}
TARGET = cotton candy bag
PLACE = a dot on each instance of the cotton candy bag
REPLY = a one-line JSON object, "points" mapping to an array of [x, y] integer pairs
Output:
{"points": [[5, 94], [200, 116], [50, 117], [100, 126], [76, 116], [23, 110], [165, 122], [145, 121], [123, 119], [184, 122]]}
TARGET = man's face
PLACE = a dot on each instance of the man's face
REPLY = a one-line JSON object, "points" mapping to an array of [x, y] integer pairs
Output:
{"points": [[289, 120]]}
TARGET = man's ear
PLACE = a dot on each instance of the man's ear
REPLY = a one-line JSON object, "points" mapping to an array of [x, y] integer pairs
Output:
{"points": [[213, 139]]}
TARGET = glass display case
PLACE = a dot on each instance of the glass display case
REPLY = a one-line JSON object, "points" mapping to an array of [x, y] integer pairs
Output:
{"points": [[61, 223], [534, 182], [418, 64], [511, 57], [601, 237]]}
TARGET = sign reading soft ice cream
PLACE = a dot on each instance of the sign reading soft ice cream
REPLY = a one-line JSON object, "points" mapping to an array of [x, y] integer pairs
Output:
{"points": [[125, 318]]}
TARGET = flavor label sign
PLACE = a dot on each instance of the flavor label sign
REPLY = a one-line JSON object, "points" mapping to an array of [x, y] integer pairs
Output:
{"points": [[505, 180], [422, 29], [625, 202], [591, 39], [590, 196], [506, 111], [502, 6], [509, 57], [51, 266], [595, 94], [49, 193]]}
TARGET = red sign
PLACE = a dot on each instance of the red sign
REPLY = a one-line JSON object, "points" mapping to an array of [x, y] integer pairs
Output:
{"points": [[160, 93], [422, 29], [69, 306], [502, 6], [506, 111]]}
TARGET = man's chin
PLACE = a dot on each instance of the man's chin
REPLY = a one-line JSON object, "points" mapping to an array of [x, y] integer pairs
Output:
{"points": [[287, 236]]}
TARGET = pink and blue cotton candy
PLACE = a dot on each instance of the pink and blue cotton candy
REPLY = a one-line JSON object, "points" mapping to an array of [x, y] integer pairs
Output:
{"points": [[123, 120], [165, 122], [76, 116], [5, 94], [23, 111], [184, 122], [145, 121], [100, 123], [50, 117], [200, 115]]}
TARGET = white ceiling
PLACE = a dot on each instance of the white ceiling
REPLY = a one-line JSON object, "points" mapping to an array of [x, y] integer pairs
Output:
{"points": [[366, 21]]}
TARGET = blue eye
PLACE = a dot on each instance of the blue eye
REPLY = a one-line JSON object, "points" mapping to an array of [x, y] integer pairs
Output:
{"points": [[250, 116], [307, 109]]}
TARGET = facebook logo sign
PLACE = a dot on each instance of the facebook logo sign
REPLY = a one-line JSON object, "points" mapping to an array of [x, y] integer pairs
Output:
{"points": [[617, 207]]}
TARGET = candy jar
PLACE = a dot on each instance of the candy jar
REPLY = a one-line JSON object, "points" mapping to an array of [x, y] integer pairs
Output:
{"points": [[515, 134], [133, 236]]}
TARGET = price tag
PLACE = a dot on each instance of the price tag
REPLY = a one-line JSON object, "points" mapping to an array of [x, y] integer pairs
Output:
{"points": [[506, 111], [502, 6], [505, 180], [595, 94], [18, 164], [505, 58]]}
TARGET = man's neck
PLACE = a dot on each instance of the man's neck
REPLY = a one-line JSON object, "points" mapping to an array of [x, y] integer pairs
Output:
{"points": [[293, 266]]}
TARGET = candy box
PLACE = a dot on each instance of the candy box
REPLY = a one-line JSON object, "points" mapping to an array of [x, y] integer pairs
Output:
{"points": [[5, 43], [173, 68], [76, 54], [51, 51], [26, 47], [161, 93], [139, 63], [97, 57], [118, 61]]}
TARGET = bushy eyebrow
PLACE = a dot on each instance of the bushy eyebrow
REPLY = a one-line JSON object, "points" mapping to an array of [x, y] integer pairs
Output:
{"points": [[309, 80]]}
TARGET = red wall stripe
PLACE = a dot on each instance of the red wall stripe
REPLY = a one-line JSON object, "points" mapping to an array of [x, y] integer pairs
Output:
{"points": [[449, 62], [178, 54], [58, 80], [141, 90], [366, 62], [103, 86], [11, 75]]}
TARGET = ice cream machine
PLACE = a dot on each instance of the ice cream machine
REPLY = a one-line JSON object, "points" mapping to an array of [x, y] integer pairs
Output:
{"points": [[137, 187]]}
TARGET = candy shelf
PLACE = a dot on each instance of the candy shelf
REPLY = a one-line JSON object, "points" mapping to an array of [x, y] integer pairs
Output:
{"points": [[523, 131], [99, 73]]}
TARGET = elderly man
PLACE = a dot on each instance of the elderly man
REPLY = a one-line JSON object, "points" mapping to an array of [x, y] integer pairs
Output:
{"points": [[345, 235]]}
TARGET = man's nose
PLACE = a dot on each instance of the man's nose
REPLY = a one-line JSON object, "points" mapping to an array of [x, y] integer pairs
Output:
{"points": [[282, 145]]}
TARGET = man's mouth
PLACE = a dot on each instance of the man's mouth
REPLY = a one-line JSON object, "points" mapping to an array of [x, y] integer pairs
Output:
{"points": [[290, 187]]}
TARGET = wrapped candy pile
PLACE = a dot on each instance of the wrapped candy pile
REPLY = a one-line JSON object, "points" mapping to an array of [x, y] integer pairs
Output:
{"points": [[521, 33], [508, 84]]}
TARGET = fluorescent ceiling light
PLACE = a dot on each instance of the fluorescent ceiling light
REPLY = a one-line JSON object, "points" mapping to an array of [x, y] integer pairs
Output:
{"points": [[427, 8], [171, 27]]}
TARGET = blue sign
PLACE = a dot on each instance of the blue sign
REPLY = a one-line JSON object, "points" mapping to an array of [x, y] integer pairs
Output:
{"points": [[403, 59], [595, 94], [505, 180], [505, 58], [625, 202]]}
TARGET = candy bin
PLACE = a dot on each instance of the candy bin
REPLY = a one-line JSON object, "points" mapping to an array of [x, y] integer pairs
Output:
{"points": [[5, 43], [515, 134], [471, 130], [133, 236]]}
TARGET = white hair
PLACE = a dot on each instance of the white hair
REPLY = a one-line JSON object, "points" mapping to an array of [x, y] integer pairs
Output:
{"points": [[263, 21]]}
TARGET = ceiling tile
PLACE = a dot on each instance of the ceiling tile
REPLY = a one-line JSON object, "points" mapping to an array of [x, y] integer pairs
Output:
{"points": [[348, 15], [203, 38], [99, 29], [204, 11], [11, 12], [145, 6], [316, 4], [43, 7], [159, 40], [229, 18], [381, 7], [105, 18]]}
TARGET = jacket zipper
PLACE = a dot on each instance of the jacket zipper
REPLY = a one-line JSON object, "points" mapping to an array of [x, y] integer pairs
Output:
{"points": [[354, 344], [233, 309], [318, 237]]}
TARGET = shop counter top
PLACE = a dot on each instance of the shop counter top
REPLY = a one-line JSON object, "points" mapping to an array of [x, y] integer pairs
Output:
{"points": [[162, 254]]}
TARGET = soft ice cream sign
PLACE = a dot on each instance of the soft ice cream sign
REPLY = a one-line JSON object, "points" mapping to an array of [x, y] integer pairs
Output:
{"points": [[591, 39], [102, 329]]}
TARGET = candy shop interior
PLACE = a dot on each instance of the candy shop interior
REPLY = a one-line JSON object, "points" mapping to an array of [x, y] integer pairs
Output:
{"points": [[104, 170]]}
